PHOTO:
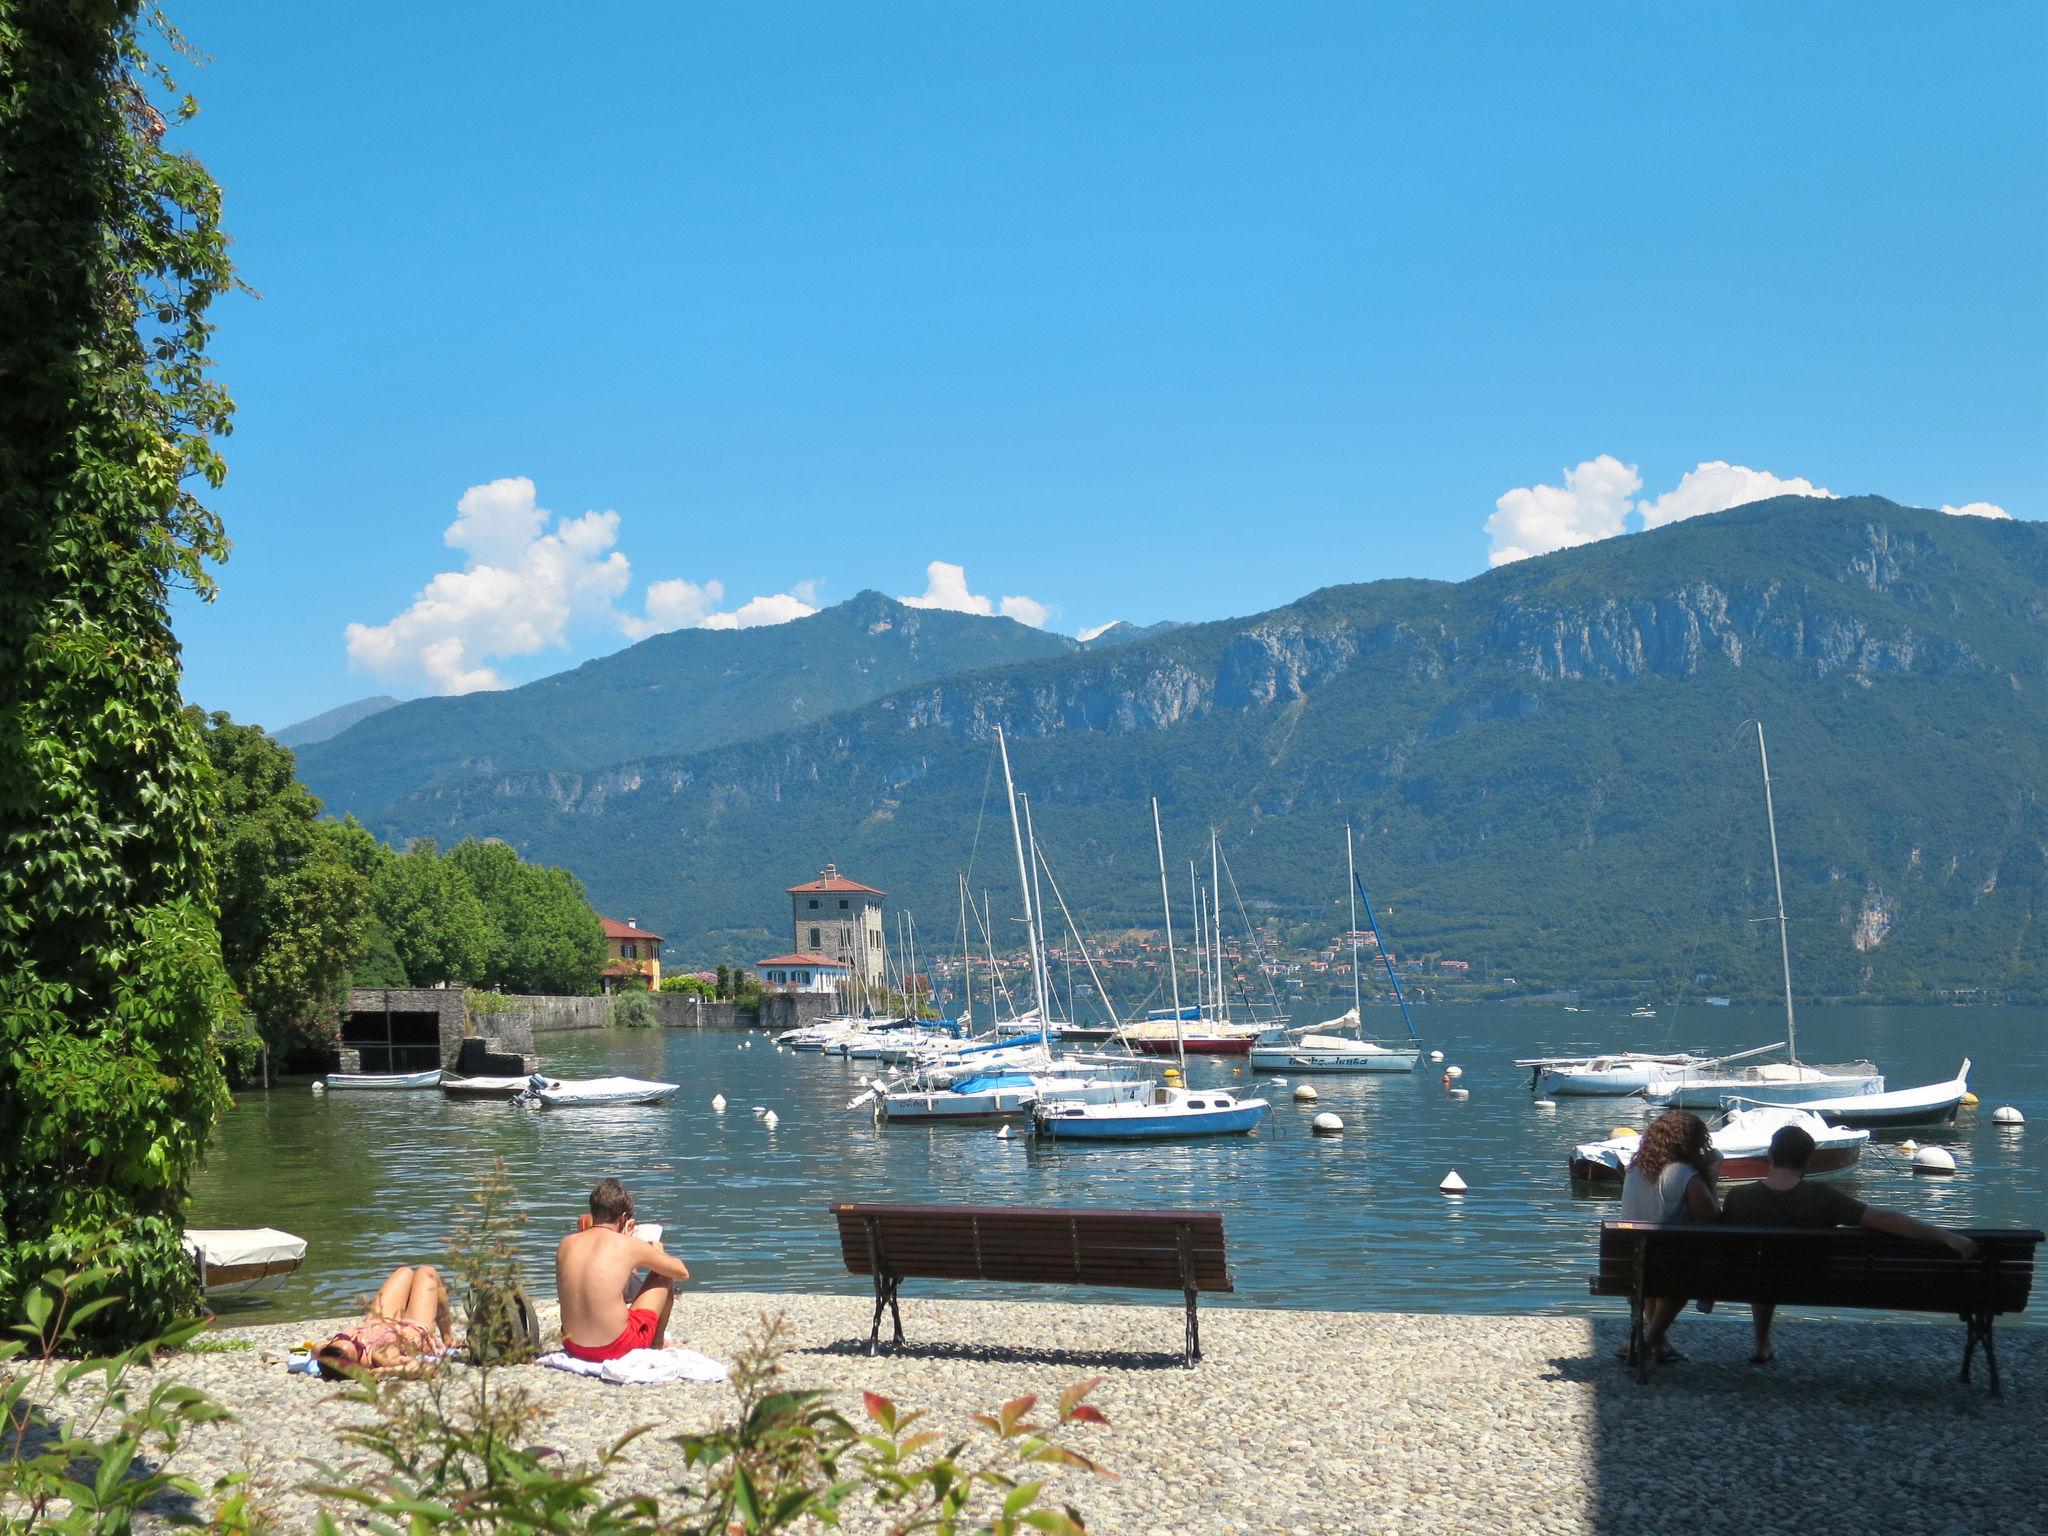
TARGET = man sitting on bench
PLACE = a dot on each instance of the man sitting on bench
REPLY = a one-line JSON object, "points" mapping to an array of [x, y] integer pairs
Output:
{"points": [[602, 1317], [1785, 1198]]}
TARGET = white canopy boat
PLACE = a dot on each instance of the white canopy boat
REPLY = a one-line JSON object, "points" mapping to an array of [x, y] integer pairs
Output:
{"points": [[1743, 1139], [1790, 1081], [1929, 1105], [1611, 1075], [483, 1087], [240, 1261], [382, 1080], [567, 1093]]}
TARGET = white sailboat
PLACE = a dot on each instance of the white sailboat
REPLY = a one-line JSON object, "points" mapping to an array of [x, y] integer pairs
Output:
{"points": [[1164, 1110], [1337, 1045], [1611, 1075], [1790, 1081]]}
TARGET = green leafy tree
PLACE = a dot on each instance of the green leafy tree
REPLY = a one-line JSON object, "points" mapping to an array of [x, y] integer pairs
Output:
{"points": [[111, 982], [545, 936], [694, 986], [293, 909], [435, 921]]}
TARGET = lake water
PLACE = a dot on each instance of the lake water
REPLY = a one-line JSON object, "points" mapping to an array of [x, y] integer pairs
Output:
{"points": [[373, 1180]]}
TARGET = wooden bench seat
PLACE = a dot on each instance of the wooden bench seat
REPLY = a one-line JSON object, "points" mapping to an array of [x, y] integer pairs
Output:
{"points": [[1127, 1250], [1817, 1267]]}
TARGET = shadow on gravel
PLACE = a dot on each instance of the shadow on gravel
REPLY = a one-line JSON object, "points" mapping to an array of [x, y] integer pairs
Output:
{"points": [[1854, 1426], [998, 1354]]}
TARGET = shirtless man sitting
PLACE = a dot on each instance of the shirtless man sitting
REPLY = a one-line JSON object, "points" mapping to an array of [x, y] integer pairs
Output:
{"points": [[594, 1268]]}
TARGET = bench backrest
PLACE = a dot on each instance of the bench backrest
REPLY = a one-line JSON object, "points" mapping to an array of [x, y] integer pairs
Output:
{"points": [[1139, 1250], [1815, 1266]]}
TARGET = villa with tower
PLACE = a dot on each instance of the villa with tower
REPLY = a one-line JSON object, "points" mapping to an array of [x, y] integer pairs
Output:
{"points": [[835, 937]]}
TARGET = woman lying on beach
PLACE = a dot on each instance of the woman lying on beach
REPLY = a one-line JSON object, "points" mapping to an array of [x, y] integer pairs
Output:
{"points": [[408, 1324]]}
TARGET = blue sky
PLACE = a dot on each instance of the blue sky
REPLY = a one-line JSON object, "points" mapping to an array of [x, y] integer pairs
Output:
{"points": [[1136, 311]]}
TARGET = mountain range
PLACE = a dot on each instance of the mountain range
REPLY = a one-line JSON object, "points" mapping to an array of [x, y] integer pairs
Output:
{"points": [[1551, 766]]}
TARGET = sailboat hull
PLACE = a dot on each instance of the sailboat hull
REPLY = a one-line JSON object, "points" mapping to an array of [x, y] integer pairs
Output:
{"points": [[1235, 1121], [1300, 1057], [1196, 1045], [1700, 1091]]}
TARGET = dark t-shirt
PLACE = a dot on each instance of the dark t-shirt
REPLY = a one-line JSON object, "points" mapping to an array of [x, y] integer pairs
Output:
{"points": [[1805, 1204]]}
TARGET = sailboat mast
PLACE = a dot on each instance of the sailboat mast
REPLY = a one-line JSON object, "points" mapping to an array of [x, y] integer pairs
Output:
{"points": [[1216, 931], [1201, 961], [1778, 880], [1180, 1045], [987, 916], [966, 962], [1038, 906], [910, 931], [1024, 886], [1351, 890]]}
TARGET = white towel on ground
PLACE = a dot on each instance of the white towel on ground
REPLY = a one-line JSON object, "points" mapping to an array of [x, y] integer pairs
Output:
{"points": [[641, 1367]]}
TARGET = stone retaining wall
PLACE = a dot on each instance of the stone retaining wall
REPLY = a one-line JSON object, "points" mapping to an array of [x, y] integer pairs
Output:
{"points": [[675, 1010]]}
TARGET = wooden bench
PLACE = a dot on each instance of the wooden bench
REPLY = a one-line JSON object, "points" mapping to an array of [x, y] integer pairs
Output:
{"points": [[1816, 1267], [1135, 1250]]}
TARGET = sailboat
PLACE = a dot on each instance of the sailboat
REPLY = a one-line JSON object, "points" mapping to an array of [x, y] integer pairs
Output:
{"points": [[1165, 1110], [1321, 1047], [1611, 1075], [1790, 1081], [1206, 1028]]}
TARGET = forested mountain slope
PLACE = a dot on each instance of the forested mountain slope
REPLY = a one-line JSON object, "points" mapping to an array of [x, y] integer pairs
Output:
{"points": [[1548, 765], [683, 691]]}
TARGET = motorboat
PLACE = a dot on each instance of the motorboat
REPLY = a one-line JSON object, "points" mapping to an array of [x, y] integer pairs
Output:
{"points": [[822, 1034], [1612, 1075], [241, 1261], [1007, 1096], [1319, 1050], [483, 1087], [1932, 1104], [1713, 1085], [385, 1081], [594, 1092], [1160, 1114], [1743, 1138]]}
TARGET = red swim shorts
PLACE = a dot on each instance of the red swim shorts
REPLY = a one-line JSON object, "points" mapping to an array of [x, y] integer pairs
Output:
{"points": [[639, 1334]]}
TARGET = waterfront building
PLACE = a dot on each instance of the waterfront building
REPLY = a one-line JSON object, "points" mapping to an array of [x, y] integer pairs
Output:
{"points": [[840, 919], [630, 950], [819, 974]]}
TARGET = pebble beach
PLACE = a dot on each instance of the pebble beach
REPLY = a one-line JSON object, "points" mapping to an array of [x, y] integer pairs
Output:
{"points": [[1326, 1422]]}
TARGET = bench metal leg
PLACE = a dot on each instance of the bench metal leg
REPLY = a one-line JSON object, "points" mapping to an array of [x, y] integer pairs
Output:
{"points": [[885, 1296], [1639, 1339], [1979, 1325], [1193, 1351]]}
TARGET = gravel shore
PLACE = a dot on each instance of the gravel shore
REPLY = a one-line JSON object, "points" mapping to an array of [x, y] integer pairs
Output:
{"points": [[1335, 1422]]}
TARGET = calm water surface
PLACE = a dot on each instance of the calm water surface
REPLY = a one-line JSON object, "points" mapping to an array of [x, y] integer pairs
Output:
{"points": [[373, 1180]]}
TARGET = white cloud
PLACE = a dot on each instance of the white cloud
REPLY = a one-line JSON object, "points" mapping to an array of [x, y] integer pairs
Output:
{"points": [[1084, 636], [1591, 504], [519, 593], [523, 590], [1717, 485], [945, 586], [1976, 509]]}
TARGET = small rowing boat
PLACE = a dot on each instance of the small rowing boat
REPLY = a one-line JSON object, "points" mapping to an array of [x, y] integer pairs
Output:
{"points": [[1930, 1104], [385, 1081], [238, 1261]]}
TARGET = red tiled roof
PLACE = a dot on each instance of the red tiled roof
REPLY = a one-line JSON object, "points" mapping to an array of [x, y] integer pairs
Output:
{"points": [[834, 883], [816, 962], [614, 929]]}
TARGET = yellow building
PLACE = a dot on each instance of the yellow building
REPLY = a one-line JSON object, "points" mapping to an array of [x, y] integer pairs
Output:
{"points": [[630, 950]]}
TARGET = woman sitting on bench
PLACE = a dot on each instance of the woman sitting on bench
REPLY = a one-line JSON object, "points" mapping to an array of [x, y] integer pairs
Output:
{"points": [[1671, 1179]]}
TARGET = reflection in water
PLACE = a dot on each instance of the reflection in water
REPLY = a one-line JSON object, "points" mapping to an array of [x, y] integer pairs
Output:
{"points": [[372, 1180]]}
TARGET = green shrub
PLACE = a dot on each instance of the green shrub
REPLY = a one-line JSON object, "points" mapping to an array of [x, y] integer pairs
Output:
{"points": [[634, 1010], [694, 986]]}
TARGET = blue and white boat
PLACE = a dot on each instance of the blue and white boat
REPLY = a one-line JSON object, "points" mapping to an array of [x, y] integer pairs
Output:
{"points": [[1161, 1114], [1007, 1096]]}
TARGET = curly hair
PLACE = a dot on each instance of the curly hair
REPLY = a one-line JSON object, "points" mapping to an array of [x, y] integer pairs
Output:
{"points": [[1676, 1136]]}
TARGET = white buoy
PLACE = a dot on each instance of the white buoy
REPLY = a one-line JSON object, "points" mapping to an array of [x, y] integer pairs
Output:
{"points": [[1436, 1055], [319, 1087], [2005, 1114], [718, 1103], [1003, 1133], [760, 1109], [1934, 1160], [1909, 1146], [1452, 1184], [1454, 1073], [1461, 1093], [771, 1119], [1545, 1104], [1305, 1094], [1327, 1124]]}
